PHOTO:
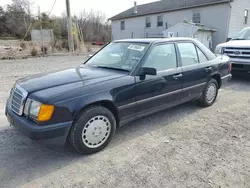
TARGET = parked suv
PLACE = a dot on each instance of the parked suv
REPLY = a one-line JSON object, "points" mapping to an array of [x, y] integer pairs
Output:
{"points": [[238, 49], [126, 80]]}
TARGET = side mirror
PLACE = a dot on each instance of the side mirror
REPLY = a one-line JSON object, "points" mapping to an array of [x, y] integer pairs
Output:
{"points": [[147, 71]]}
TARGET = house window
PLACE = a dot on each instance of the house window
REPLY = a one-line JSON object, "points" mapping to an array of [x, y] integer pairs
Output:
{"points": [[196, 17], [159, 21], [122, 25], [246, 17], [148, 22]]}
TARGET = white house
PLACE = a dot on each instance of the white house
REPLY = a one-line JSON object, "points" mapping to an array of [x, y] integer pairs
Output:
{"points": [[228, 17], [188, 29]]}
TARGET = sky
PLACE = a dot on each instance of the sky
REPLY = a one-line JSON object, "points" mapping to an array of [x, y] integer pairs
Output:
{"points": [[108, 7]]}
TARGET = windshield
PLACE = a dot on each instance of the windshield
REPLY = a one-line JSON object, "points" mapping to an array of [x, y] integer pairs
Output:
{"points": [[243, 35], [119, 55]]}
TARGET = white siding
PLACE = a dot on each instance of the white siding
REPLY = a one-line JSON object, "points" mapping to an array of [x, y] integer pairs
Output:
{"points": [[188, 30], [133, 26], [237, 16], [181, 30], [215, 16]]}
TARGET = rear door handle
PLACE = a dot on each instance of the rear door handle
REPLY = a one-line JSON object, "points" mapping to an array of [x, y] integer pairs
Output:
{"points": [[177, 76], [208, 69]]}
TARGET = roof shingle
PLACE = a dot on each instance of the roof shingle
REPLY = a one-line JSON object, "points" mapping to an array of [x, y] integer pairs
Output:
{"points": [[164, 6]]}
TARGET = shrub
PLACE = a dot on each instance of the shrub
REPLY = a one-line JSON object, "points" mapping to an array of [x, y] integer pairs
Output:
{"points": [[23, 45], [44, 49], [65, 44], [33, 51]]}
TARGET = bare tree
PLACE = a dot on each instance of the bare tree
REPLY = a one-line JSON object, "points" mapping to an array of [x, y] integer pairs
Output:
{"points": [[26, 6], [94, 26], [17, 18]]}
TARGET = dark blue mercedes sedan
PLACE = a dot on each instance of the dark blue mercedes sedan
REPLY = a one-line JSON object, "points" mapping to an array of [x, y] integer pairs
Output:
{"points": [[125, 80]]}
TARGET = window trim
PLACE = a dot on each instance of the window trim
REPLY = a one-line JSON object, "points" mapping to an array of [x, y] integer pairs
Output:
{"points": [[179, 60], [196, 47], [158, 21], [160, 44]]}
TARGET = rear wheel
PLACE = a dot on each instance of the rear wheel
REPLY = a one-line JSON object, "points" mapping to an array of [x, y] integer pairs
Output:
{"points": [[209, 94], [92, 130]]}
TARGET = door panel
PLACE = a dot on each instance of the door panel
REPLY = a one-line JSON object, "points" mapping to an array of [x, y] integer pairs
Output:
{"points": [[173, 86], [195, 74], [195, 77], [147, 92], [153, 92], [123, 94], [161, 90]]}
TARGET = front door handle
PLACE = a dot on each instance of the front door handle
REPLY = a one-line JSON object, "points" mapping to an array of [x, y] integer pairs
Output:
{"points": [[177, 76], [208, 69]]}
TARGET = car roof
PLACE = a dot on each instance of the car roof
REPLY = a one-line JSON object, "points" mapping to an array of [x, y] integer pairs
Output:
{"points": [[204, 49], [155, 40]]}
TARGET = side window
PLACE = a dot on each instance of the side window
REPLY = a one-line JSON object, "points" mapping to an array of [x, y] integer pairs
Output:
{"points": [[188, 54], [162, 57], [202, 57]]}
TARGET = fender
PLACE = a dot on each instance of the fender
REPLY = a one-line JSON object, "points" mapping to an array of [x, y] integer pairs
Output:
{"points": [[75, 105]]}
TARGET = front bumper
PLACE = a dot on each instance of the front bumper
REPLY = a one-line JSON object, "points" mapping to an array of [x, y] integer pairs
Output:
{"points": [[241, 68], [55, 134]]}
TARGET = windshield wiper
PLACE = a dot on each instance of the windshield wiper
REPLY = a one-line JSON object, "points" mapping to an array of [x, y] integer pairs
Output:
{"points": [[239, 39], [113, 68]]}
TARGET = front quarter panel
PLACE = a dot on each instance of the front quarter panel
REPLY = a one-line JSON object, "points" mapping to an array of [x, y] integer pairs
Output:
{"points": [[118, 92]]}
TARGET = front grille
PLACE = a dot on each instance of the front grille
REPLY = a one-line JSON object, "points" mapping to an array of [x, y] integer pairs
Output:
{"points": [[18, 97], [242, 53]]}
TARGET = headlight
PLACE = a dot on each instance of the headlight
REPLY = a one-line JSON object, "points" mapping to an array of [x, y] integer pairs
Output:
{"points": [[38, 111], [218, 50], [34, 109]]}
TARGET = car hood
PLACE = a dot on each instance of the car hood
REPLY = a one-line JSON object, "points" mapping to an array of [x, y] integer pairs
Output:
{"points": [[82, 75], [236, 43]]}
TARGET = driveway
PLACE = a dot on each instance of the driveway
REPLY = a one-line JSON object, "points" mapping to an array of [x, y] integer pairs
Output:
{"points": [[186, 146]]}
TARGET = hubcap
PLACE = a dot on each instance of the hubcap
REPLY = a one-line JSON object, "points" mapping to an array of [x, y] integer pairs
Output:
{"points": [[211, 93], [96, 131]]}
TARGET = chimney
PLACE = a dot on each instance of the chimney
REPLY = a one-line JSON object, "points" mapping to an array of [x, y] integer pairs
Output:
{"points": [[135, 7]]}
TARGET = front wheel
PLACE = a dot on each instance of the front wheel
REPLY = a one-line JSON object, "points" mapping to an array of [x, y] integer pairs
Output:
{"points": [[92, 130], [209, 94]]}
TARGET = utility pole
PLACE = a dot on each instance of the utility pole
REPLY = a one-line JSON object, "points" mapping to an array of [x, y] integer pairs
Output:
{"points": [[41, 28], [69, 21], [77, 35]]}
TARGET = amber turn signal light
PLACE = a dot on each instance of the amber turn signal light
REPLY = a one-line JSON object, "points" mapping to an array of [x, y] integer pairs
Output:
{"points": [[45, 112]]}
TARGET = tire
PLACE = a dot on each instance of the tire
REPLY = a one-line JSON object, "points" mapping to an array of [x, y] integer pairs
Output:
{"points": [[92, 130], [207, 99]]}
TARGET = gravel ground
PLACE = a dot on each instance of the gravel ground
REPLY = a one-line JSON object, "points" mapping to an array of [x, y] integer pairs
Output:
{"points": [[186, 146]]}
